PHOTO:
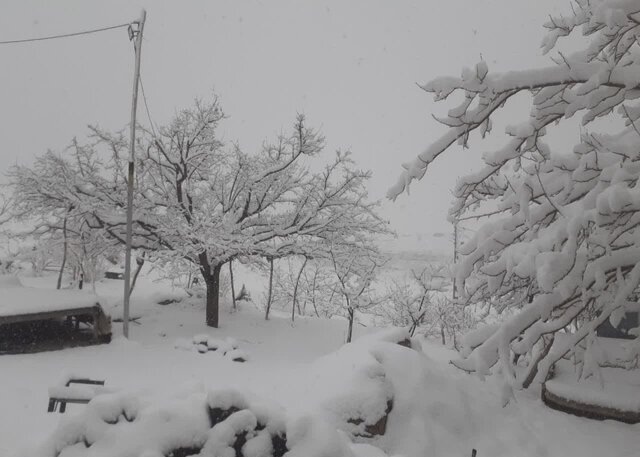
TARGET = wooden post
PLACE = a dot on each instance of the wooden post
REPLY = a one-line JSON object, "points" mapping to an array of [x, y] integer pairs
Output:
{"points": [[137, 35]]}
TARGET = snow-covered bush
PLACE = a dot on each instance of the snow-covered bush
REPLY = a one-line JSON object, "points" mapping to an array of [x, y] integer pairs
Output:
{"points": [[561, 245]]}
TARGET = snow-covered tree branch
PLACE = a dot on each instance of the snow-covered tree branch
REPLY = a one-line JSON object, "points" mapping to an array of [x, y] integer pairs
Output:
{"points": [[562, 245]]}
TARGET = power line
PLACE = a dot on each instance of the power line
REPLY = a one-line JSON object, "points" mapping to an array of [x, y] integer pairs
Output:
{"points": [[66, 35], [146, 106]]}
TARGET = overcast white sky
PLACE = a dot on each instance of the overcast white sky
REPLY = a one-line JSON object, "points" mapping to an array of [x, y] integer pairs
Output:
{"points": [[350, 66]]}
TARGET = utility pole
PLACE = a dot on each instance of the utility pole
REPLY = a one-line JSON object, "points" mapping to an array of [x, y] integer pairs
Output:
{"points": [[135, 34]]}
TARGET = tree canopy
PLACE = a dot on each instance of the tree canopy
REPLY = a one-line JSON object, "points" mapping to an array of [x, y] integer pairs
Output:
{"points": [[201, 202]]}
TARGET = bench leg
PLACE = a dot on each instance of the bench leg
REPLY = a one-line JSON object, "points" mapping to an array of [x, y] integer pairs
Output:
{"points": [[52, 405], [63, 406]]}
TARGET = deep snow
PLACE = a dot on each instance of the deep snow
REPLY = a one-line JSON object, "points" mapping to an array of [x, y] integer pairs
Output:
{"points": [[303, 367]]}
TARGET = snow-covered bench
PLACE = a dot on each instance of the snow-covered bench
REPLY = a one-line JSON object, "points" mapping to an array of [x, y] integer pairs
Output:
{"points": [[66, 393]]}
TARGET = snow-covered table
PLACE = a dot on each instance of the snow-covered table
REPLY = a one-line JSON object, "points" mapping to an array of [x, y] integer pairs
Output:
{"points": [[20, 304]]}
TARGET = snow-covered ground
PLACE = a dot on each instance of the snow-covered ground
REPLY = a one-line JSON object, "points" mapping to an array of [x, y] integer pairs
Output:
{"points": [[439, 411]]}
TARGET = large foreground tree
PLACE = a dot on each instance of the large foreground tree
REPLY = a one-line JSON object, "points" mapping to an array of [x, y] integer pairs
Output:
{"points": [[562, 245], [201, 202]]}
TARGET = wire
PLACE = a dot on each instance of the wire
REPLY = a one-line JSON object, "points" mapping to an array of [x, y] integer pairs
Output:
{"points": [[66, 35], [146, 106]]}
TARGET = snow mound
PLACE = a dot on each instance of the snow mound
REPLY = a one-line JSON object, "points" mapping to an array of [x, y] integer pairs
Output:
{"points": [[378, 384], [351, 386]]}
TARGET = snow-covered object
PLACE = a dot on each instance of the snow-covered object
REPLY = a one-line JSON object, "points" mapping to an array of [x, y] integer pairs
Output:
{"points": [[561, 243], [237, 355], [619, 392], [167, 298], [17, 299], [357, 400]]}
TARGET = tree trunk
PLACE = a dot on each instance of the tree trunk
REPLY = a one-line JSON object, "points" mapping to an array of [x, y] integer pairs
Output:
{"points": [[533, 365], [212, 282], [315, 307], [313, 294], [233, 289], [295, 291], [444, 341], [351, 314], [416, 323], [413, 328], [266, 314], [64, 253]]}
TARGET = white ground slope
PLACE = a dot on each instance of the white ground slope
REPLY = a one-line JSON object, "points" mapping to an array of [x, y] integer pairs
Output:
{"points": [[298, 379]]}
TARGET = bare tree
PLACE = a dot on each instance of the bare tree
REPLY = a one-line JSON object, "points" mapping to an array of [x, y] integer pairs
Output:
{"points": [[355, 269], [422, 303], [201, 203]]}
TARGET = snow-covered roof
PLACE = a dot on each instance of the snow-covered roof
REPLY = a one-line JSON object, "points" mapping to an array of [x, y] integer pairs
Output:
{"points": [[15, 299]]}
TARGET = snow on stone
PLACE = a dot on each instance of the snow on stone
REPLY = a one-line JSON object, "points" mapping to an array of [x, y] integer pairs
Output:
{"points": [[237, 355], [204, 343]]}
